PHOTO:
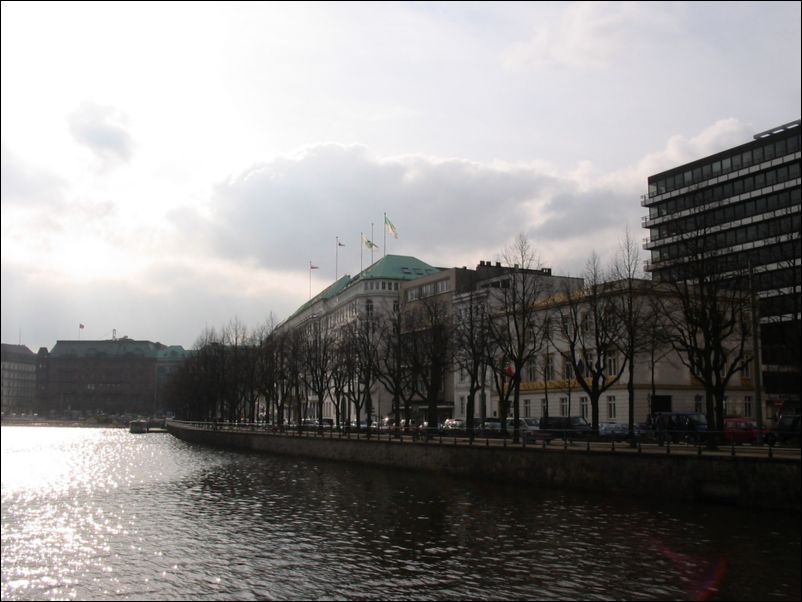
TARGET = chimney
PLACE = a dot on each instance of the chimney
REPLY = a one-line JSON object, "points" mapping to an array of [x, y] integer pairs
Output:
{"points": [[498, 264]]}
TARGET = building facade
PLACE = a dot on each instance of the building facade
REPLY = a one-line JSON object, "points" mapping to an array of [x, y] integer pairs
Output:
{"points": [[19, 379], [739, 210], [118, 376]]}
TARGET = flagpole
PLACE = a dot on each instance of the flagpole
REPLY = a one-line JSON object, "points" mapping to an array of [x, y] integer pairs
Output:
{"points": [[336, 256], [384, 251], [371, 243], [310, 278], [361, 244]]}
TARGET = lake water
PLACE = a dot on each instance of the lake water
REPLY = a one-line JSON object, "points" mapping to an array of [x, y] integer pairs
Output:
{"points": [[102, 514]]}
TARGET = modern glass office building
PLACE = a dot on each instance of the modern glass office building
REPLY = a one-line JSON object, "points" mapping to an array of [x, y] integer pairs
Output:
{"points": [[740, 211]]}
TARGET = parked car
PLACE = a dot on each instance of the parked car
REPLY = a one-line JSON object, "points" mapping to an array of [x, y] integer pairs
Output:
{"points": [[490, 428], [566, 427], [616, 431], [679, 426], [786, 431], [454, 426], [529, 428], [740, 430]]}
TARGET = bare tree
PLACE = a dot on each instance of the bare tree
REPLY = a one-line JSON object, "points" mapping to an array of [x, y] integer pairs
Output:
{"points": [[709, 322], [516, 329], [430, 347], [632, 304], [394, 371], [472, 346], [589, 333], [318, 355]]}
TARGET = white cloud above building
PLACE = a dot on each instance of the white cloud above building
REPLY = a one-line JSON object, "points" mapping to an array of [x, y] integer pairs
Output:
{"points": [[166, 168]]}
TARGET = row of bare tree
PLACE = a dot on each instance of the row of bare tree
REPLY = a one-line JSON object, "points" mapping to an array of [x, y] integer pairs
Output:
{"points": [[504, 330]]}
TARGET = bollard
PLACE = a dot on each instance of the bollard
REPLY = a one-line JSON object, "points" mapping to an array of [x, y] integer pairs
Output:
{"points": [[699, 450], [771, 455], [544, 443], [587, 446], [640, 449], [668, 446], [732, 448], [612, 445]]}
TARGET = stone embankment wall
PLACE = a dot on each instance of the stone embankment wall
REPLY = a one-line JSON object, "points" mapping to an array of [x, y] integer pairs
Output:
{"points": [[742, 480]]}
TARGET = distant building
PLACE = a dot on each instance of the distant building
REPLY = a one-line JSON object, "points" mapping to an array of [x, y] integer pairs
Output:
{"points": [[740, 208], [114, 376], [19, 379]]}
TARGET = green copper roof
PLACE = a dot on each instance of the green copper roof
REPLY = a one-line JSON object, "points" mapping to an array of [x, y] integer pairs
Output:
{"points": [[397, 267], [390, 267], [325, 294]]}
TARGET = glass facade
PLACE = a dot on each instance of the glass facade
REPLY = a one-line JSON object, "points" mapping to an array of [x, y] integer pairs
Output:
{"points": [[741, 209]]}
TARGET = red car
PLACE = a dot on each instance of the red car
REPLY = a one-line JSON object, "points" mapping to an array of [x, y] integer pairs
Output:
{"points": [[740, 430]]}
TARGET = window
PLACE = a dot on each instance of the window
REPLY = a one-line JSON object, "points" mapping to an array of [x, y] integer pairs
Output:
{"points": [[548, 368], [527, 408], [697, 403], [563, 406], [568, 369], [583, 407], [384, 285], [612, 365], [748, 406], [462, 405], [369, 308], [611, 407]]}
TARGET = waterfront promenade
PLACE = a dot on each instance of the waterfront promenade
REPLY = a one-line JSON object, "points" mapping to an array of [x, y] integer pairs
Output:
{"points": [[753, 477]]}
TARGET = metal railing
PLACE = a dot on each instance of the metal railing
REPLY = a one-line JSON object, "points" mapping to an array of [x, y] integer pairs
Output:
{"points": [[666, 442]]}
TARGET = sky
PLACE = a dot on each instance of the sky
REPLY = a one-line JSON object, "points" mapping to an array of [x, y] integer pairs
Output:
{"points": [[167, 168]]}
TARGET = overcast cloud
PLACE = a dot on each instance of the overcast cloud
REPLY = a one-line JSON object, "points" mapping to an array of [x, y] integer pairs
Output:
{"points": [[167, 168]]}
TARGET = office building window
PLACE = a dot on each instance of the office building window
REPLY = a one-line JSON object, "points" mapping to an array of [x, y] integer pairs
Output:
{"points": [[527, 408], [563, 406], [584, 406]]}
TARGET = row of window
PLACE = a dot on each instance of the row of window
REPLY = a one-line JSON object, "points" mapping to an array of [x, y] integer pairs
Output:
{"points": [[747, 158], [729, 238], [725, 190], [729, 213], [429, 289], [383, 285], [760, 256]]}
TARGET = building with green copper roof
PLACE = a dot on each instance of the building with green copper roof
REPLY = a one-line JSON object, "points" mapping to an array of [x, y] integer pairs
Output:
{"points": [[374, 287]]}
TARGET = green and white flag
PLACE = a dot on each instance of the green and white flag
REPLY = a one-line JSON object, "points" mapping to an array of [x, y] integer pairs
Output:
{"points": [[369, 243], [390, 227]]}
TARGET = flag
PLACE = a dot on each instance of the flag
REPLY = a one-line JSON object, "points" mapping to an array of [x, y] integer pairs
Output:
{"points": [[390, 227], [369, 243], [313, 267], [81, 326], [340, 244]]}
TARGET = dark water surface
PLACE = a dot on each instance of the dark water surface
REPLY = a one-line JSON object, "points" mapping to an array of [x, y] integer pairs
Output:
{"points": [[101, 514]]}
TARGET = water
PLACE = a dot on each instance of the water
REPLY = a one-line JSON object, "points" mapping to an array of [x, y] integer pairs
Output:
{"points": [[101, 514]]}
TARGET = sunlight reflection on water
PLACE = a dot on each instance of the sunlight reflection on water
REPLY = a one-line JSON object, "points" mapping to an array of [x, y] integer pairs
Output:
{"points": [[103, 514]]}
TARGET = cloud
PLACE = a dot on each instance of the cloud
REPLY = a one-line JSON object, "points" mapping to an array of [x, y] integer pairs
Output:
{"points": [[591, 35], [25, 185], [102, 130]]}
